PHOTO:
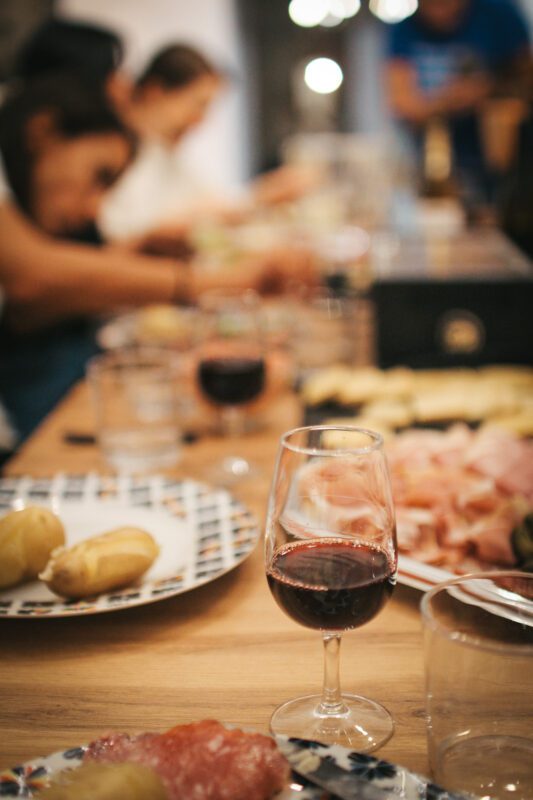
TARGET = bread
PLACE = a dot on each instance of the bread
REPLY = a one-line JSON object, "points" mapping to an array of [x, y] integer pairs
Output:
{"points": [[324, 385], [393, 413], [27, 538], [337, 440], [100, 564], [162, 324], [106, 782], [362, 385]]}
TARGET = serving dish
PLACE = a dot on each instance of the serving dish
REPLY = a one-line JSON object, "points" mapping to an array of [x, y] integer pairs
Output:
{"points": [[202, 533], [395, 781]]}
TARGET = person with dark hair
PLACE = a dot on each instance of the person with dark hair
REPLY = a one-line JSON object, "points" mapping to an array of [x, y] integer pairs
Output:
{"points": [[61, 45], [170, 99], [62, 148]]}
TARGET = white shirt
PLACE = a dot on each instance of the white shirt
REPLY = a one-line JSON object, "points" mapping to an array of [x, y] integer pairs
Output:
{"points": [[155, 188]]}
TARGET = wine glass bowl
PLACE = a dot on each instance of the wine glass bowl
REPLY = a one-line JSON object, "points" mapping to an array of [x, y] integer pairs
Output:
{"points": [[331, 559], [231, 368]]}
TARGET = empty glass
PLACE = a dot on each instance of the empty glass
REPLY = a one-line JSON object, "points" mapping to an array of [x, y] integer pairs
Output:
{"points": [[478, 635], [135, 402]]}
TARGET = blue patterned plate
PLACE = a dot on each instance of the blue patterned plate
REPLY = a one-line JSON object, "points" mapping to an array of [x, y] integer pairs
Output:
{"points": [[202, 533], [396, 782]]}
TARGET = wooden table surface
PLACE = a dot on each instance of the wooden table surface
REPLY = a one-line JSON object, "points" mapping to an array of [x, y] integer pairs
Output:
{"points": [[223, 651]]}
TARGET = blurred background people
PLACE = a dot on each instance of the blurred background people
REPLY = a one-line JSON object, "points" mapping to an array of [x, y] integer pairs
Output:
{"points": [[169, 101], [62, 147], [444, 63], [170, 98]]}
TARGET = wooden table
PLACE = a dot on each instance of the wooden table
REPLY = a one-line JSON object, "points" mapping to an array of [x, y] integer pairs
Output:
{"points": [[222, 651]]}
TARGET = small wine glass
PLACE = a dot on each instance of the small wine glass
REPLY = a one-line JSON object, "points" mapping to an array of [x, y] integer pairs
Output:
{"points": [[231, 368], [331, 560]]}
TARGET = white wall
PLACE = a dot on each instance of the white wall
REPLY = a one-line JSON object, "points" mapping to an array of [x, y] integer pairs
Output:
{"points": [[219, 148]]}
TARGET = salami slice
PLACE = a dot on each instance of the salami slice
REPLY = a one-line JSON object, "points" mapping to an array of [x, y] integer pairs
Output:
{"points": [[202, 761]]}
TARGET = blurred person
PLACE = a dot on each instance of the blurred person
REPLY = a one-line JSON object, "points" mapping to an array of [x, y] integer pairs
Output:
{"points": [[62, 148], [444, 63], [168, 101], [60, 45], [516, 197]]}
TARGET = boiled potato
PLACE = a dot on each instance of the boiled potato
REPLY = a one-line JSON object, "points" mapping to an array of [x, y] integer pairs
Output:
{"points": [[106, 782], [100, 564], [27, 538]]}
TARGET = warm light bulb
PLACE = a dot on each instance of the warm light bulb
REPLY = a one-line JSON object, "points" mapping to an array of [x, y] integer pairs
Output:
{"points": [[323, 75], [351, 7], [393, 10], [308, 13]]}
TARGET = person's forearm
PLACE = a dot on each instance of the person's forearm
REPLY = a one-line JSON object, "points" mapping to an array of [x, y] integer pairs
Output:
{"points": [[49, 279], [418, 108]]}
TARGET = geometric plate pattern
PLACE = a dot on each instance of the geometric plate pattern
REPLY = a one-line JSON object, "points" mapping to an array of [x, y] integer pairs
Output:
{"points": [[203, 533]]}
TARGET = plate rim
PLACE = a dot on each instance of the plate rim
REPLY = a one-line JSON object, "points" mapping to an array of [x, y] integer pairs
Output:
{"points": [[419, 575], [23, 771], [132, 602]]}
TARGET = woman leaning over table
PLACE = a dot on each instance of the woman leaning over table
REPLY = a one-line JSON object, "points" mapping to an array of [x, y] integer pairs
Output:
{"points": [[62, 148]]}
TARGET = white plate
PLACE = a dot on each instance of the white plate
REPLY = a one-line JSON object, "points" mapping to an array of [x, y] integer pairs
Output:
{"points": [[202, 533], [396, 782]]}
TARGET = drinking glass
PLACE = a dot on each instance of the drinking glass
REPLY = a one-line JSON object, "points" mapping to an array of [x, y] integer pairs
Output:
{"points": [[135, 401], [331, 558], [231, 367], [478, 637]]}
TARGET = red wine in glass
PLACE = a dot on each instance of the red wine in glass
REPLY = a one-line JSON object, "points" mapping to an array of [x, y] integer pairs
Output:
{"points": [[331, 585], [232, 381], [330, 562]]}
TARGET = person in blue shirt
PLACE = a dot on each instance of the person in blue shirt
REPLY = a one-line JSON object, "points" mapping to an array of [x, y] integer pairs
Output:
{"points": [[445, 61]]}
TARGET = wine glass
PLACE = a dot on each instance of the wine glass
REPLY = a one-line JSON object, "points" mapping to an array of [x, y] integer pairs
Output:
{"points": [[331, 559], [231, 367]]}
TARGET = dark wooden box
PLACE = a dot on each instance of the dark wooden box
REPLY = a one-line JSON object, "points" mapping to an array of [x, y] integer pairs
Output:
{"points": [[467, 304]]}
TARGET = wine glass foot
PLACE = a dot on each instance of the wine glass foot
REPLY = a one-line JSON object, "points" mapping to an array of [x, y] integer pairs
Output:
{"points": [[232, 470], [363, 725]]}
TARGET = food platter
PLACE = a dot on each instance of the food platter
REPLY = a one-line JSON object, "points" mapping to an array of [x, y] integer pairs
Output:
{"points": [[27, 779], [202, 533]]}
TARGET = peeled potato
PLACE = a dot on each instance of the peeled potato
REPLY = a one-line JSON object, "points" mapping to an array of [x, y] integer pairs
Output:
{"points": [[100, 564], [27, 539], [106, 782]]}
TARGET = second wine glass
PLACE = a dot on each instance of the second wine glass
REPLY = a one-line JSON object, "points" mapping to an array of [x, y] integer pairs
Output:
{"points": [[231, 368], [331, 557]]}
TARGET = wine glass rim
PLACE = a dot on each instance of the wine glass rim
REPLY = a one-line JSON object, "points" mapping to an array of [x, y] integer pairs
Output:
{"points": [[142, 358], [377, 441]]}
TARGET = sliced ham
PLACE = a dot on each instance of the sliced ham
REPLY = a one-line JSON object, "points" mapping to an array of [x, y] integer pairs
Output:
{"points": [[459, 494]]}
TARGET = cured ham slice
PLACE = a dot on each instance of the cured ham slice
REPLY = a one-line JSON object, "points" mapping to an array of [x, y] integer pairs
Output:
{"points": [[202, 761], [459, 494]]}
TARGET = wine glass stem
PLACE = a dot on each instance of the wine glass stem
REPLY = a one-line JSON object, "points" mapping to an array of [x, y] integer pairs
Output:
{"points": [[232, 421], [331, 702]]}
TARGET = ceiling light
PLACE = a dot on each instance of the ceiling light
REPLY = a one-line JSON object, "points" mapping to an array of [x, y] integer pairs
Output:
{"points": [[393, 10], [308, 13], [351, 7], [323, 75]]}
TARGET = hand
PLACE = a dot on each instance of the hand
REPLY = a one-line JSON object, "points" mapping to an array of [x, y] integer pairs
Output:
{"points": [[286, 269], [284, 184], [464, 94]]}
